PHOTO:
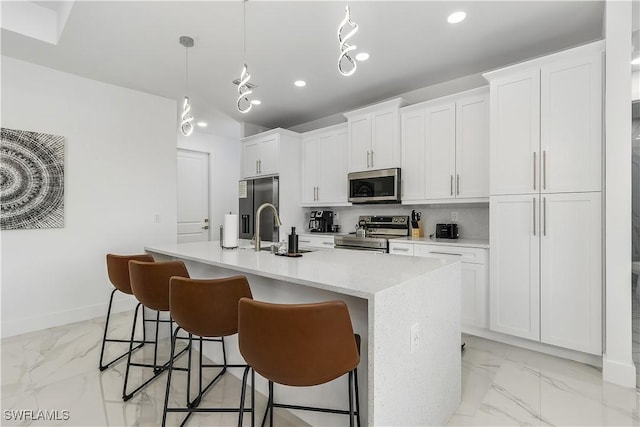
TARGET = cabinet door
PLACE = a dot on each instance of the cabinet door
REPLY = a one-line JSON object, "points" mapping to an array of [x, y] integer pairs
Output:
{"points": [[571, 125], [385, 141], [514, 289], [472, 146], [269, 155], [328, 154], [413, 156], [359, 129], [515, 134], [250, 155], [440, 162], [342, 185], [571, 271], [309, 170], [474, 295]]}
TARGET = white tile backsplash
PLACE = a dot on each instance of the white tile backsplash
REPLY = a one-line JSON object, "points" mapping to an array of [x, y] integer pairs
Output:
{"points": [[473, 219]]}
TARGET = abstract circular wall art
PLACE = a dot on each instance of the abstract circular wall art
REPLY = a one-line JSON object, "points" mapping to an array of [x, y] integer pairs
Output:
{"points": [[31, 180]]}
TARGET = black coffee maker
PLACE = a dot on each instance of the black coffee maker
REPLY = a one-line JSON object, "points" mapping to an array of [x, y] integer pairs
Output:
{"points": [[321, 221]]}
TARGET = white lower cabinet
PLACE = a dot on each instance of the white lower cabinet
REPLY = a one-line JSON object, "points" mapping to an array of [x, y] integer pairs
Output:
{"points": [[475, 276], [309, 241], [546, 268]]}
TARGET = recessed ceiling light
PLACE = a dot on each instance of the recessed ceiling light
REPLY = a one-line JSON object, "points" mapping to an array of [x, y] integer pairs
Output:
{"points": [[636, 61], [300, 83], [202, 124], [256, 102], [362, 56], [456, 17]]}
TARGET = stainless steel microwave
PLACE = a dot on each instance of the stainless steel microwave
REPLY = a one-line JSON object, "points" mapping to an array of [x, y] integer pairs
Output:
{"points": [[378, 186]]}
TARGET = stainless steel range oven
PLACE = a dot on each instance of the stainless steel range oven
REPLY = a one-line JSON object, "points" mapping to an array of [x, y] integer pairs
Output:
{"points": [[377, 232]]}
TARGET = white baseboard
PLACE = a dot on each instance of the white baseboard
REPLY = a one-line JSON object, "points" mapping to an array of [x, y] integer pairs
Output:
{"points": [[12, 327], [622, 374], [577, 356]]}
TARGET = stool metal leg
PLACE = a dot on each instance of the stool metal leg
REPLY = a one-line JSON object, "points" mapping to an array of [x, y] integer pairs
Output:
{"points": [[102, 366], [355, 382], [166, 395], [350, 398]]}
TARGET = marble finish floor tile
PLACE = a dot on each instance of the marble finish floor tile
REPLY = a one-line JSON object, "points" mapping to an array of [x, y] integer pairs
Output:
{"points": [[531, 388], [57, 370]]}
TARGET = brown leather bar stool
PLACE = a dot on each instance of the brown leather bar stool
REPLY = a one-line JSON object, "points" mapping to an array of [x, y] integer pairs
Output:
{"points": [[150, 286], [207, 308], [300, 345], [118, 271]]}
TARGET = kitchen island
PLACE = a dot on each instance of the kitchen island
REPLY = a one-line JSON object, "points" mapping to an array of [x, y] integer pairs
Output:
{"points": [[391, 299]]}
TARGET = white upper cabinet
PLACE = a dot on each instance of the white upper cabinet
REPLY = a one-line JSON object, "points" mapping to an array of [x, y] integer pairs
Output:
{"points": [[261, 153], [440, 141], [546, 124], [324, 167], [373, 135], [571, 125], [445, 149], [472, 146]]}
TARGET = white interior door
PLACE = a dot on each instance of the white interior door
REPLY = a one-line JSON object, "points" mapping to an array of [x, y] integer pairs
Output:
{"points": [[193, 196]]}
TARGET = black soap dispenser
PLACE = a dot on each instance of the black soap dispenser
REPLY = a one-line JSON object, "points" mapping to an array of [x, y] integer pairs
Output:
{"points": [[293, 242]]}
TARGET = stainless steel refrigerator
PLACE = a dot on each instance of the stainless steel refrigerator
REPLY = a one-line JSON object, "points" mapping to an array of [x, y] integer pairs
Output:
{"points": [[253, 193]]}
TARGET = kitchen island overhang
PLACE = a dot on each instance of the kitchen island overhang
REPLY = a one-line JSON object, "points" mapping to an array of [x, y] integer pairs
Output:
{"points": [[389, 298]]}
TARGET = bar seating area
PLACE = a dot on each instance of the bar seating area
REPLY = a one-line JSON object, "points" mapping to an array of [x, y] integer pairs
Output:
{"points": [[297, 345]]}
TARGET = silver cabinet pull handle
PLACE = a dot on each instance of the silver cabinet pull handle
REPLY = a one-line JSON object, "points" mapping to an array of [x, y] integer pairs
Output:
{"points": [[304, 241], [256, 166], [368, 155], [328, 243], [534, 170], [260, 166], [457, 184], [317, 193], [371, 158], [534, 216], [544, 170], [451, 185], [544, 216], [444, 253], [401, 249]]}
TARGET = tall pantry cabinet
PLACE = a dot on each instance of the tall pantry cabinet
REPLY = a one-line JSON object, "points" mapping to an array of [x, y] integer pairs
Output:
{"points": [[545, 199]]}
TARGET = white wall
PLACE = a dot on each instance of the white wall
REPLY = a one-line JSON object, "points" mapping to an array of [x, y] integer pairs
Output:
{"points": [[224, 173], [120, 171]]}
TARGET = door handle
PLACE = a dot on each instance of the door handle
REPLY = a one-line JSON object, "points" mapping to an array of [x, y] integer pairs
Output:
{"points": [[444, 253], [206, 227]]}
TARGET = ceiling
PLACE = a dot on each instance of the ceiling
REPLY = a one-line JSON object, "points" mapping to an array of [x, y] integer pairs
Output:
{"points": [[135, 45]]}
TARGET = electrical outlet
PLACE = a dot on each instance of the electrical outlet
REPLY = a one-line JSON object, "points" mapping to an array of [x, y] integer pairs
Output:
{"points": [[335, 215], [157, 219], [415, 337], [454, 216]]}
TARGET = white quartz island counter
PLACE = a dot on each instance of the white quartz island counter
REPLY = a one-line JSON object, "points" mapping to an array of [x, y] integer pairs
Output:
{"points": [[387, 295]]}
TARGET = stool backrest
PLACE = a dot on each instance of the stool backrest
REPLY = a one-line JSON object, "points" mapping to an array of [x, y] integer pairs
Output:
{"points": [[207, 307], [297, 344], [118, 270], [150, 281]]}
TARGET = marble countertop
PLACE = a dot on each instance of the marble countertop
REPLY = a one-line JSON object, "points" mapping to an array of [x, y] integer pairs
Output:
{"points": [[361, 274], [467, 243]]}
